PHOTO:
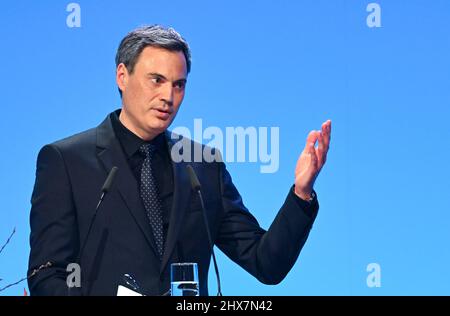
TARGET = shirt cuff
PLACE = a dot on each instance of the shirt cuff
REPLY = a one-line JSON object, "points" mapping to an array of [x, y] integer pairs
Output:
{"points": [[310, 208]]}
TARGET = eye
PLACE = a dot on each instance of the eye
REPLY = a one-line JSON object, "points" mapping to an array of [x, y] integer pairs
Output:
{"points": [[180, 85], [156, 80]]}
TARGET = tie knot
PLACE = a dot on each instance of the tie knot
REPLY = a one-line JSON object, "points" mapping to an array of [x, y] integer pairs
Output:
{"points": [[148, 150]]}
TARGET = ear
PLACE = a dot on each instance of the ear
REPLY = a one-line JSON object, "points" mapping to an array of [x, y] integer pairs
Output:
{"points": [[122, 76]]}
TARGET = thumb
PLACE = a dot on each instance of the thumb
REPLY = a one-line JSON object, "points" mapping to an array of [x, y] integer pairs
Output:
{"points": [[312, 153], [312, 138]]}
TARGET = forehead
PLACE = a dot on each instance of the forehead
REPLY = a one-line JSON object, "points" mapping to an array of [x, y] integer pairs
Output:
{"points": [[163, 61]]}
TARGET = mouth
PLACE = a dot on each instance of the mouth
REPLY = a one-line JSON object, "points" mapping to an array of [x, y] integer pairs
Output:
{"points": [[163, 114]]}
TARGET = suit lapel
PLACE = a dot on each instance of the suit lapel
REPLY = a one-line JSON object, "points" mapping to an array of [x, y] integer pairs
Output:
{"points": [[111, 154], [181, 195]]}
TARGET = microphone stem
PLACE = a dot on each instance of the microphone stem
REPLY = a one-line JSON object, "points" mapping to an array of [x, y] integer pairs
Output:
{"points": [[219, 291], [90, 228]]}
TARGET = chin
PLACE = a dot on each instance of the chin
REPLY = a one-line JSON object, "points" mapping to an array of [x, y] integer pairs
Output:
{"points": [[159, 125]]}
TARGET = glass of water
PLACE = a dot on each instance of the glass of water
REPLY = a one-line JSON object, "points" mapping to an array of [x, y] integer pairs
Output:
{"points": [[184, 279]]}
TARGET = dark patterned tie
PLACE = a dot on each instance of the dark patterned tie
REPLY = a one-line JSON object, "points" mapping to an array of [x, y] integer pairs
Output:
{"points": [[150, 197]]}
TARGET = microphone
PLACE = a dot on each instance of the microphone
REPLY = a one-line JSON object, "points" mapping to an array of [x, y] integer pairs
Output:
{"points": [[107, 185], [105, 189], [195, 184]]}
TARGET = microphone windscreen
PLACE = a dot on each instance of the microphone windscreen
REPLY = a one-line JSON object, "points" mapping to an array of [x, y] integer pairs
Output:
{"points": [[195, 184], [109, 180]]}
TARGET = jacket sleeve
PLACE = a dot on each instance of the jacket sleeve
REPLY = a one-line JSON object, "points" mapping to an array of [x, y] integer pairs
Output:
{"points": [[54, 235], [267, 255]]}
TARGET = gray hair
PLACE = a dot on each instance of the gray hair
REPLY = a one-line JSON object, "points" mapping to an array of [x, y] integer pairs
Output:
{"points": [[134, 43]]}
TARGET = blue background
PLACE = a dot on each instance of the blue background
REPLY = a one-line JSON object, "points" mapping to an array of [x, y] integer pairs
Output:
{"points": [[384, 193]]}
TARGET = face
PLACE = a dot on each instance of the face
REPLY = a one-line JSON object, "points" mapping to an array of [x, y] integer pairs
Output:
{"points": [[152, 94]]}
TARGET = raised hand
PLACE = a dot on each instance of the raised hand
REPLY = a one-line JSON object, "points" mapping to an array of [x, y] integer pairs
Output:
{"points": [[311, 160]]}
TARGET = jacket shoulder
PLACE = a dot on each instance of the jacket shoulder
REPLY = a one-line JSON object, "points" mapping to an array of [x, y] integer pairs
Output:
{"points": [[71, 149], [77, 141]]}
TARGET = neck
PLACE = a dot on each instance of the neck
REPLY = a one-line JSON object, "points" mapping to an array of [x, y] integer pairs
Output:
{"points": [[127, 121]]}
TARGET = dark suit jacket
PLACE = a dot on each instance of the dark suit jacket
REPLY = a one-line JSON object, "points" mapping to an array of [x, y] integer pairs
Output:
{"points": [[69, 176]]}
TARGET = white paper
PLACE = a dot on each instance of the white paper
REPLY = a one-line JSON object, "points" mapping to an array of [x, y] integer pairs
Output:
{"points": [[124, 291]]}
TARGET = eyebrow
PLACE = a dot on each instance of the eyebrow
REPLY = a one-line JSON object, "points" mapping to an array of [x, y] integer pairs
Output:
{"points": [[155, 74]]}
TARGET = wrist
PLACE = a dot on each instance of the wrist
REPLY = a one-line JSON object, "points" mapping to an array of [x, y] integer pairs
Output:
{"points": [[306, 195]]}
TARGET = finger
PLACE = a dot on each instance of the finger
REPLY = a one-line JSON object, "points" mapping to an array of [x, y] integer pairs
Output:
{"points": [[312, 138], [321, 150], [325, 127], [326, 130], [325, 135], [314, 159], [311, 145]]}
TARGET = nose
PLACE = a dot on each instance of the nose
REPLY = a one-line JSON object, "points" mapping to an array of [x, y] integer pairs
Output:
{"points": [[167, 94]]}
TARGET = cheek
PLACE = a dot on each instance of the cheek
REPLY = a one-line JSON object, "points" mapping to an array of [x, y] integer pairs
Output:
{"points": [[152, 96], [177, 105], [136, 97], [143, 91], [179, 99]]}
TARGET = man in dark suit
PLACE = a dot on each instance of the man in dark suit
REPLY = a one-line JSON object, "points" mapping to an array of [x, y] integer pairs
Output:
{"points": [[151, 218]]}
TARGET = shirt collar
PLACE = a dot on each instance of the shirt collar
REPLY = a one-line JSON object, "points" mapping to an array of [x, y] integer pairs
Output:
{"points": [[131, 142]]}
